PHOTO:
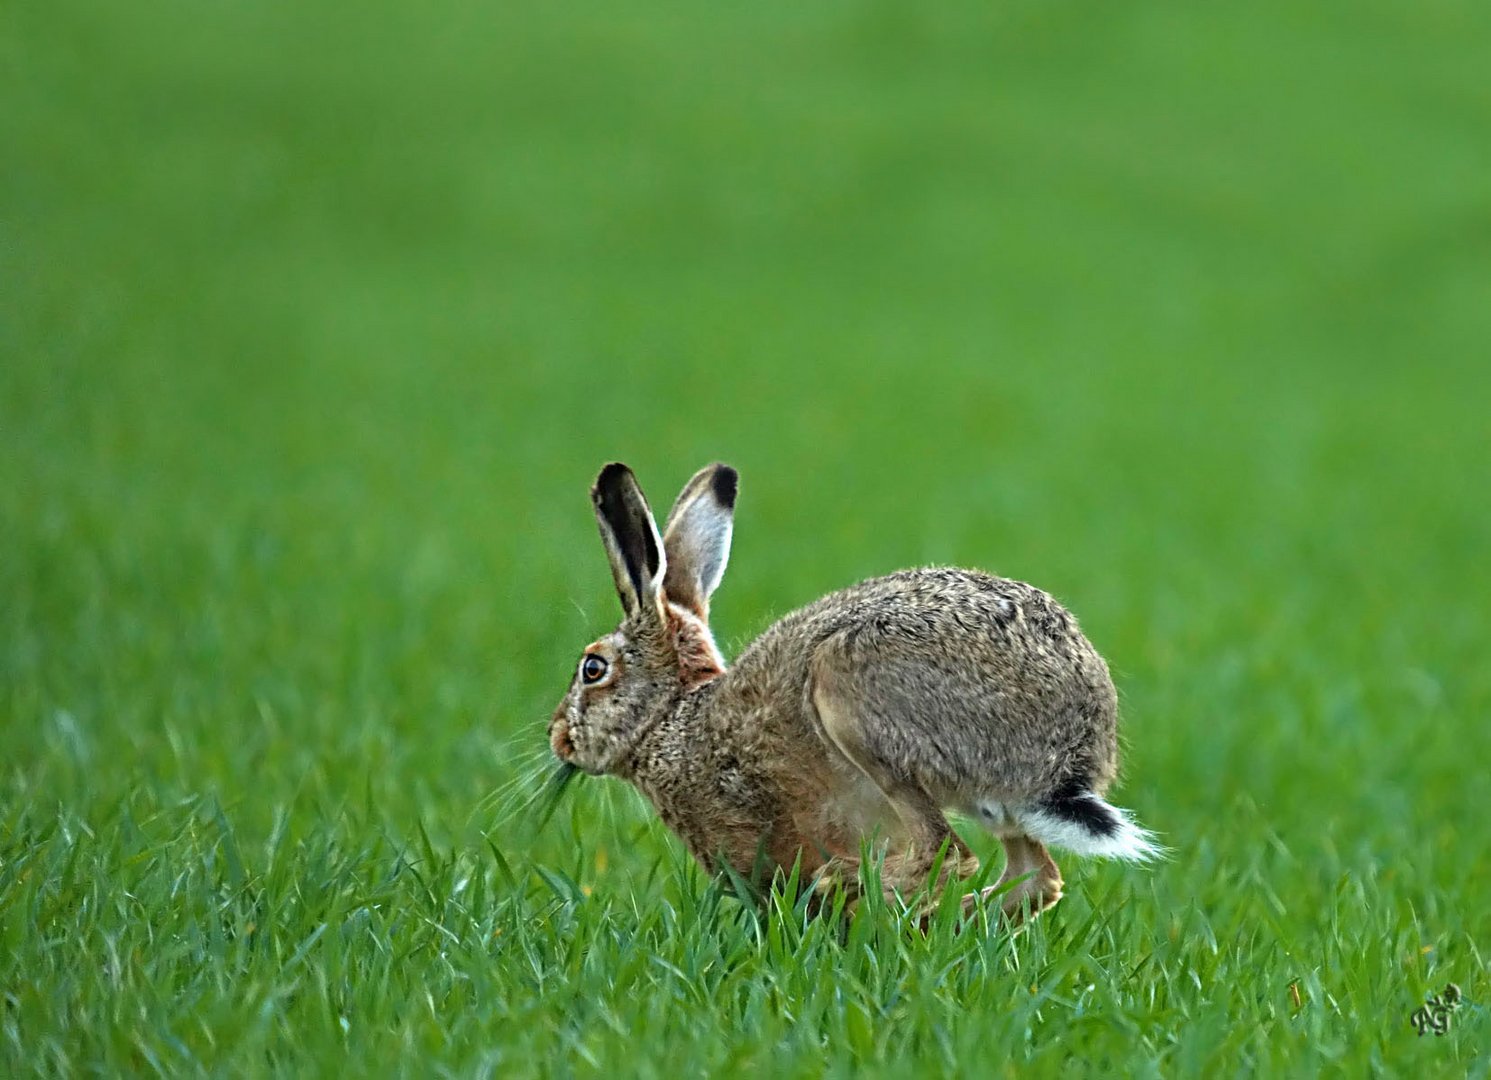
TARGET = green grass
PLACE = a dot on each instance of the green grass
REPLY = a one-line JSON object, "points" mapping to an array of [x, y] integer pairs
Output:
{"points": [[316, 321]]}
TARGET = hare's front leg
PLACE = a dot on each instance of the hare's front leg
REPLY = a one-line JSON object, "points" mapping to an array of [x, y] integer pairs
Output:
{"points": [[929, 837], [839, 872], [925, 835]]}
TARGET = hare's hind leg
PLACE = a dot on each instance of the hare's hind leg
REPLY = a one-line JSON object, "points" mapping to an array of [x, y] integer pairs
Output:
{"points": [[1031, 881], [1030, 884], [1040, 888], [924, 828]]}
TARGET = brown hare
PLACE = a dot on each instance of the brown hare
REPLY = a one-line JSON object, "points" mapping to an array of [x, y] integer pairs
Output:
{"points": [[861, 717]]}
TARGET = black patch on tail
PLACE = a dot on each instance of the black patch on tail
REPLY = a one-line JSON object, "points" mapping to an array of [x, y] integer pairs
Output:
{"points": [[1075, 802]]}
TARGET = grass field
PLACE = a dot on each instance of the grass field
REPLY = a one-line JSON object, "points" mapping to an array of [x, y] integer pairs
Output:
{"points": [[316, 321]]}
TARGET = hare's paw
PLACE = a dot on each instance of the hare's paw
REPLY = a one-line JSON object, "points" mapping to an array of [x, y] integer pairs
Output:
{"points": [[1018, 905], [839, 874]]}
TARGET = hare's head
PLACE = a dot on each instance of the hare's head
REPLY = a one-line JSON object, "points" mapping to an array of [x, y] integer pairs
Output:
{"points": [[663, 646]]}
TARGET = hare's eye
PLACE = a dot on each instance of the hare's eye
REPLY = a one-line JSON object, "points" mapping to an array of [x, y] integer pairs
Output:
{"points": [[593, 669]]}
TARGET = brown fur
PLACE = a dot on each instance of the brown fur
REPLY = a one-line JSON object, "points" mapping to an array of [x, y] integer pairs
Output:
{"points": [[698, 658], [858, 718]]}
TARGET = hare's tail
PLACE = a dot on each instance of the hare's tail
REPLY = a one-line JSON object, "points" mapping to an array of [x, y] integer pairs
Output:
{"points": [[1083, 822]]}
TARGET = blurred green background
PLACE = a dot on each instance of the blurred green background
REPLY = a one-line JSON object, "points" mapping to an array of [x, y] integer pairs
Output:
{"points": [[317, 320]]}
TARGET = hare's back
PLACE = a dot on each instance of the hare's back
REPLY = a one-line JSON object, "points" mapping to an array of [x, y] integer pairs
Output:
{"points": [[930, 609]]}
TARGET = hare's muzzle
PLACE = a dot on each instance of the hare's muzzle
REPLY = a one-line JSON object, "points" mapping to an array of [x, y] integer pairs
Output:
{"points": [[559, 740]]}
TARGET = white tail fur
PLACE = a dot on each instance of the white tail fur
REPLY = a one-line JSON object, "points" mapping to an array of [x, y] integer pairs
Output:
{"points": [[1090, 826]]}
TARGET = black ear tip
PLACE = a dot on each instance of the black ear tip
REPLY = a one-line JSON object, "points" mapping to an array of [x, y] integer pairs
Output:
{"points": [[726, 483], [609, 477]]}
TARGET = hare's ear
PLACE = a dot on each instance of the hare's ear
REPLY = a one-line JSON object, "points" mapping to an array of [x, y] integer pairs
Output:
{"points": [[631, 538], [697, 539]]}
